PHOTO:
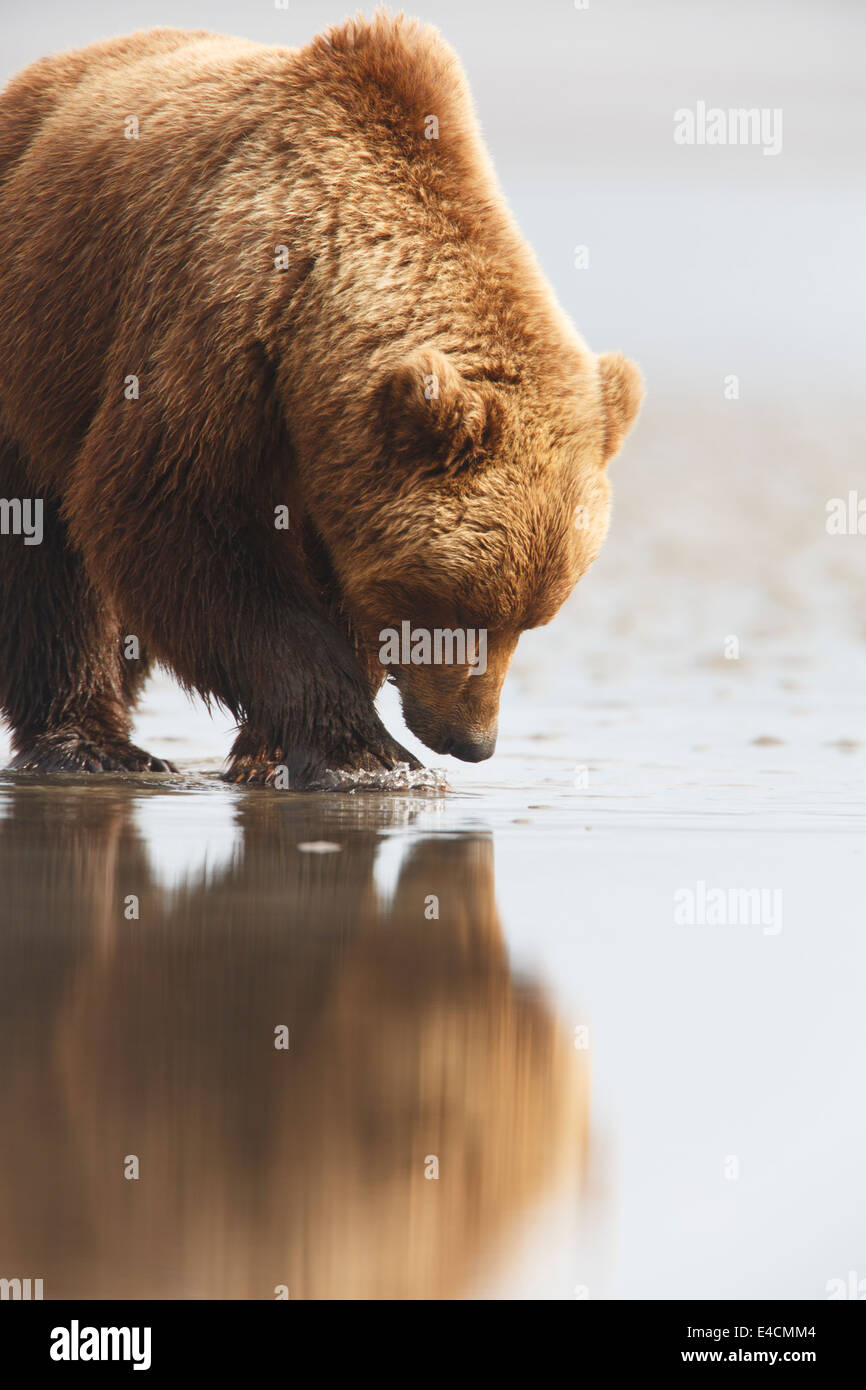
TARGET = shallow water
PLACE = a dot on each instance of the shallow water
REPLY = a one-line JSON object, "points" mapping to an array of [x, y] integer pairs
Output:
{"points": [[721, 1151], [411, 1042]]}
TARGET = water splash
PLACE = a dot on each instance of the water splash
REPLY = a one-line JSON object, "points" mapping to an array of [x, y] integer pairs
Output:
{"points": [[399, 779]]}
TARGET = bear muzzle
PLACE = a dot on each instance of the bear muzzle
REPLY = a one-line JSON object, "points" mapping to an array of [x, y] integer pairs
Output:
{"points": [[460, 733], [471, 748], [452, 710]]}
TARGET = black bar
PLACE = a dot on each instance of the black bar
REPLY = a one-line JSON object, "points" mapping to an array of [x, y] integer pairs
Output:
{"points": [[222, 1339]]}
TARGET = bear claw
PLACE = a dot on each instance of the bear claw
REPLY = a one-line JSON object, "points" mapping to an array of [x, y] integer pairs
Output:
{"points": [[259, 772]]}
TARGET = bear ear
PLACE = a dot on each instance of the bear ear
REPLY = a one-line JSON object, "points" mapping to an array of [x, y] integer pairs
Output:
{"points": [[622, 390], [433, 416]]}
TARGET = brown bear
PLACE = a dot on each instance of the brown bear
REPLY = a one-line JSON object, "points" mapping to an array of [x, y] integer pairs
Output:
{"points": [[282, 375]]}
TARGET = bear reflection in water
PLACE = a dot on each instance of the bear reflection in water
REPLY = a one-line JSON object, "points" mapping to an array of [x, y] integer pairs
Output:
{"points": [[412, 1046]]}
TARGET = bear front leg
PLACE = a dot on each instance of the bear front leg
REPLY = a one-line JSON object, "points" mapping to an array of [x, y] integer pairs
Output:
{"points": [[314, 716], [224, 601], [311, 718]]}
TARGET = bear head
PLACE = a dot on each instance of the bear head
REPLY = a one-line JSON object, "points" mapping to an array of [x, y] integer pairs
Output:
{"points": [[482, 500]]}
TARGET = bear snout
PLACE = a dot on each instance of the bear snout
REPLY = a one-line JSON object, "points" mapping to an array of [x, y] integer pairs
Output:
{"points": [[471, 748], [461, 733], [451, 710]]}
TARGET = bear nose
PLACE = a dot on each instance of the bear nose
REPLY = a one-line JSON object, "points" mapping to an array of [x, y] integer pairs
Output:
{"points": [[472, 748]]}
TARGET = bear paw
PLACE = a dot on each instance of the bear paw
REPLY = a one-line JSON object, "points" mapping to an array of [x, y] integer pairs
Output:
{"points": [[64, 751], [323, 774]]}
